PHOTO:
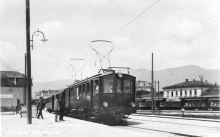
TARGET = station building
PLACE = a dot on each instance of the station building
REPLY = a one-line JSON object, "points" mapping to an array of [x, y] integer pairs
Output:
{"points": [[192, 95], [12, 89]]}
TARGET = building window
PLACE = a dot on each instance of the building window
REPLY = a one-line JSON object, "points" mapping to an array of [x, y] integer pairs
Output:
{"points": [[176, 93], [181, 93], [195, 92], [185, 93], [171, 94], [190, 93], [167, 94]]}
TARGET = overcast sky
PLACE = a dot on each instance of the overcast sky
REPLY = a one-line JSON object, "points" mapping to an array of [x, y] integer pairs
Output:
{"points": [[178, 32]]}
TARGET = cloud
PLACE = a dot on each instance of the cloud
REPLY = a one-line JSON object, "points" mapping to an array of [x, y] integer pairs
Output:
{"points": [[51, 28], [10, 56]]}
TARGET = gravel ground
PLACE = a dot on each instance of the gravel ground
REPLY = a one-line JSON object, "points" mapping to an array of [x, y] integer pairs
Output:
{"points": [[13, 125]]}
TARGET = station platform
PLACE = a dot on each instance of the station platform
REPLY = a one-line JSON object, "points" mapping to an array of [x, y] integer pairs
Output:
{"points": [[14, 126]]}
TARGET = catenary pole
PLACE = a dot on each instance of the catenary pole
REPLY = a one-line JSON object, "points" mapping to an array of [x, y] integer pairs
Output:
{"points": [[158, 96], [152, 88], [155, 92], [25, 79], [29, 109]]}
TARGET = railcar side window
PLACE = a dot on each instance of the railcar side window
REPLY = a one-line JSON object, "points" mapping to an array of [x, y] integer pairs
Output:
{"points": [[118, 90], [96, 86], [108, 84], [87, 89], [127, 86], [77, 93]]}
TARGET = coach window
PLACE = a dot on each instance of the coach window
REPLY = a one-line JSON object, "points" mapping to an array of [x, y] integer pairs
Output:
{"points": [[96, 86], [118, 86], [80, 90], [127, 86], [87, 89], [83, 89], [108, 84], [71, 92], [77, 92]]}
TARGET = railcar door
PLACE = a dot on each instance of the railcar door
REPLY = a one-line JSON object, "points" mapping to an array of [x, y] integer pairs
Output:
{"points": [[108, 91], [124, 90], [96, 93]]}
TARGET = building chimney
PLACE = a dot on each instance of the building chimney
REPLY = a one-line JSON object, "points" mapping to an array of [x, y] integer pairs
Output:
{"points": [[194, 80], [186, 80]]}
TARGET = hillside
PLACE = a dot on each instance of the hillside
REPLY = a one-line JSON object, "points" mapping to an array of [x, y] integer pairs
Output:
{"points": [[177, 75]]}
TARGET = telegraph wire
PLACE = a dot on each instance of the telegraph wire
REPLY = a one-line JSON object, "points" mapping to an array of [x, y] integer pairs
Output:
{"points": [[133, 19], [129, 22], [195, 53], [158, 43]]}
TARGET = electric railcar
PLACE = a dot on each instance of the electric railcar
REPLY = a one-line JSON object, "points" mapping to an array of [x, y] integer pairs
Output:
{"points": [[105, 97]]}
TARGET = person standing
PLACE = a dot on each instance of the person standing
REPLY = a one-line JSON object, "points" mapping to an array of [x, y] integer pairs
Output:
{"points": [[40, 107], [62, 105], [56, 107]]}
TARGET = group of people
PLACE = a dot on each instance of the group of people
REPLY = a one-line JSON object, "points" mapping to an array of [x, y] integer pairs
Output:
{"points": [[59, 105]]}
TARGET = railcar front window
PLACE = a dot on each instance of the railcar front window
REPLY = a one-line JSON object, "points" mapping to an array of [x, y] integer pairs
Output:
{"points": [[127, 86], [108, 84]]}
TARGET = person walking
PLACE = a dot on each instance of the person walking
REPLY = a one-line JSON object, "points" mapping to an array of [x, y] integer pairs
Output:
{"points": [[56, 107], [182, 110], [40, 107], [62, 105]]}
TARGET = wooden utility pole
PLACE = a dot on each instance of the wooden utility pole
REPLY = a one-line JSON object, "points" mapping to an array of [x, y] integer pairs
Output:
{"points": [[152, 88], [29, 108]]}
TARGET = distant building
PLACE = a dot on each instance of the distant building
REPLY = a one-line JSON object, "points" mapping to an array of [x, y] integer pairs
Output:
{"points": [[46, 93], [142, 85], [192, 95], [12, 89], [186, 89], [196, 95]]}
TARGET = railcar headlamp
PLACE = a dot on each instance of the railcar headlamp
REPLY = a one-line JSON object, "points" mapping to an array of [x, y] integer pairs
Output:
{"points": [[119, 75], [133, 104], [105, 104]]}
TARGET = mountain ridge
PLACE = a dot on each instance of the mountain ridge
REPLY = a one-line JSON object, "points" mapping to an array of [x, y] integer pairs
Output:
{"points": [[165, 77]]}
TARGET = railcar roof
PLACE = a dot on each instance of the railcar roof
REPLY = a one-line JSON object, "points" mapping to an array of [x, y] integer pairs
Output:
{"points": [[94, 77]]}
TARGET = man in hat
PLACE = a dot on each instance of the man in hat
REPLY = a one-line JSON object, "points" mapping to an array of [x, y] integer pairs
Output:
{"points": [[62, 105], [40, 107]]}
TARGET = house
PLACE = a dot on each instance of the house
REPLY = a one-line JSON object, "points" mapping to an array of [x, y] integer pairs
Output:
{"points": [[186, 89], [193, 95], [12, 89]]}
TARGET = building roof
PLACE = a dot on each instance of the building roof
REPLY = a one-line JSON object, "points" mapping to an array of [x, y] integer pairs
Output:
{"points": [[189, 84], [12, 79], [11, 74]]}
